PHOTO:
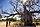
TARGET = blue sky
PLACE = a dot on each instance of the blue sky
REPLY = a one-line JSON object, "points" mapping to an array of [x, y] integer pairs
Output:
{"points": [[6, 5]]}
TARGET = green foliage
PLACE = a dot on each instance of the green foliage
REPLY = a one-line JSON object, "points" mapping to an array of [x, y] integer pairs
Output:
{"points": [[13, 18], [35, 19], [3, 20]]}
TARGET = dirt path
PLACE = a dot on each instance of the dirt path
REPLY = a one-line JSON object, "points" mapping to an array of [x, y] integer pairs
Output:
{"points": [[38, 26], [3, 24]]}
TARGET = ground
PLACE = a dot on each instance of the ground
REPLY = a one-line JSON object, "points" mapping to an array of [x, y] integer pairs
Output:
{"points": [[3, 24]]}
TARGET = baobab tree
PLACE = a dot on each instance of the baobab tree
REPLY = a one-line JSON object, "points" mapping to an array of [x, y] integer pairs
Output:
{"points": [[27, 13]]}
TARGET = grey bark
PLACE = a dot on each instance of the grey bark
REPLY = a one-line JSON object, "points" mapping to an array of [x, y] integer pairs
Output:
{"points": [[27, 17]]}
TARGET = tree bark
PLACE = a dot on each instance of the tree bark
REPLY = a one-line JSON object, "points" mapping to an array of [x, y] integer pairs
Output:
{"points": [[27, 17]]}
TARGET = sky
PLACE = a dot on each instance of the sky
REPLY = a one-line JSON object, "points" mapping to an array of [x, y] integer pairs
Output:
{"points": [[6, 5]]}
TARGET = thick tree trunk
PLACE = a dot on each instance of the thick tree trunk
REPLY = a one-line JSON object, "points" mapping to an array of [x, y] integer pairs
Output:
{"points": [[27, 17]]}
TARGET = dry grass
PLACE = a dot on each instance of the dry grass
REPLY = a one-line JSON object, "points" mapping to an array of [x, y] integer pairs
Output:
{"points": [[3, 24]]}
